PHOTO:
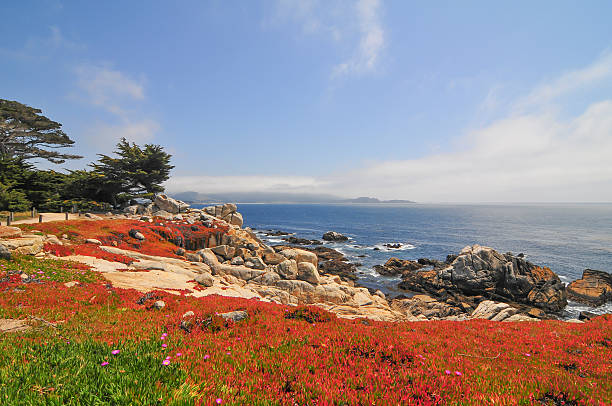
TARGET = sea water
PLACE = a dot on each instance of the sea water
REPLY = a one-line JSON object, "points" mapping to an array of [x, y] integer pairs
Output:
{"points": [[567, 238]]}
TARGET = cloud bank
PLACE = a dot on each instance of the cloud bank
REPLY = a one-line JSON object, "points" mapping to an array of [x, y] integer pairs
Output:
{"points": [[532, 153]]}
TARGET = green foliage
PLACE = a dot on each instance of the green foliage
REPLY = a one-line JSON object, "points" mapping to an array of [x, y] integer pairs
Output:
{"points": [[137, 173], [49, 269], [71, 373], [27, 134]]}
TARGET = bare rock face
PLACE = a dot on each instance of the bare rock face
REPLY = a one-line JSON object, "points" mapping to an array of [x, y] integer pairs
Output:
{"points": [[594, 288], [308, 272], [26, 245], [483, 271], [9, 232], [288, 269], [5, 253], [425, 307], [226, 212], [395, 266], [168, 204], [300, 255]]}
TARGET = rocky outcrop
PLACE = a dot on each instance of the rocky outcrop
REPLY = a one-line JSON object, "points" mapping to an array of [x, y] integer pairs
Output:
{"points": [[308, 272], [226, 212], [5, 253], [26, 244], [166, 203], [483, 271], [334, 236], [594, 288], [9, 232], [395, 266]]}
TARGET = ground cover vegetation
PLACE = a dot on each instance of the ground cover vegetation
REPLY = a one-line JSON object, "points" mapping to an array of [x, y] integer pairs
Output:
{"points": [[91, 343], [27, 136]]}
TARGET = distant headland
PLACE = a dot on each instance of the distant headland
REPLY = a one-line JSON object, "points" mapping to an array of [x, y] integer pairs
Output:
{"points": [[264, 197]]}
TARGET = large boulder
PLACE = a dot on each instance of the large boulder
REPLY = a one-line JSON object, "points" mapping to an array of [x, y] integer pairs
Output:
{"points": [[395, 266], [166, 203], [594, 288], [300, 255], [483, 271], [334, 236], [226, 212], [288, 269], [26, 245], [5, 253], [9, 232], [308, 272]]}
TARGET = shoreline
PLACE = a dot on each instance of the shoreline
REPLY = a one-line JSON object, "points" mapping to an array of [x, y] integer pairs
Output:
{"points": [[272, 274]]}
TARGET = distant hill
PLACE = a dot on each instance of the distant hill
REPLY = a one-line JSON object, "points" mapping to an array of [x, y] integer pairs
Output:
{"points": [[374, 200], [263, 197]]}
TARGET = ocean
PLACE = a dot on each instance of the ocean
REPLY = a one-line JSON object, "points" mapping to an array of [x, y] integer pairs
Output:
{"points": [[567, 238]]}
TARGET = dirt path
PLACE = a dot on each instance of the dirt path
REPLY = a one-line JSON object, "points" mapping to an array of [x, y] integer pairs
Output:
{"points": [[47, 217]]}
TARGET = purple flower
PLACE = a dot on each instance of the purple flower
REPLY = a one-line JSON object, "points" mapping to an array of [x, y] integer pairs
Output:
{"points": [[115, 352], [164, 345], [218, 401], [178, 354], [527, 354], [166, 362], [206, 356], [104, 364], [458, 373], [447, 372]]}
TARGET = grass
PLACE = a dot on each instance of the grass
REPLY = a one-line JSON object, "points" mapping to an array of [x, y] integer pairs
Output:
{"points": [[48, 270], [46, 370], [278, 355]]}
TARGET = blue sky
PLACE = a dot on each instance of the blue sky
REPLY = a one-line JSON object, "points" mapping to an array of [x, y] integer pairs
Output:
{"points": [[430, 101]]}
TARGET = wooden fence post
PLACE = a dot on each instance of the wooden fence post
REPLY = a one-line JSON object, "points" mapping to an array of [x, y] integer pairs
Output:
{"points": [[40, 218], [66, 215]]}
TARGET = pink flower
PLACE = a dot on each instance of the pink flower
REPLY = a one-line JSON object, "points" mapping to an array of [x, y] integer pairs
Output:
{"points": [[458, 373], [218, 401], [206, 356], [164, 345], [104, 364], [527, 354], [447, 372], [115, 352], [166, 362], [168, 357], [178, 354]]}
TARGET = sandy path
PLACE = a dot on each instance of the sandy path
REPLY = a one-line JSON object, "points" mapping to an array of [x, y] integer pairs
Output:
{"points": [[47, 217]]}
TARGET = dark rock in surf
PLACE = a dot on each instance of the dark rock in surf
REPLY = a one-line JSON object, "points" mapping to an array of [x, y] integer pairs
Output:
{"points": [[483, 271], [334, 236]]}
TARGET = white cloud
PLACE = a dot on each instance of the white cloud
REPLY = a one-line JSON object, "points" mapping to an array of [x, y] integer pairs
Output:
{"points": [[371, 42], [358, 23], [569, 82], [117, 93], [107, 87]]}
